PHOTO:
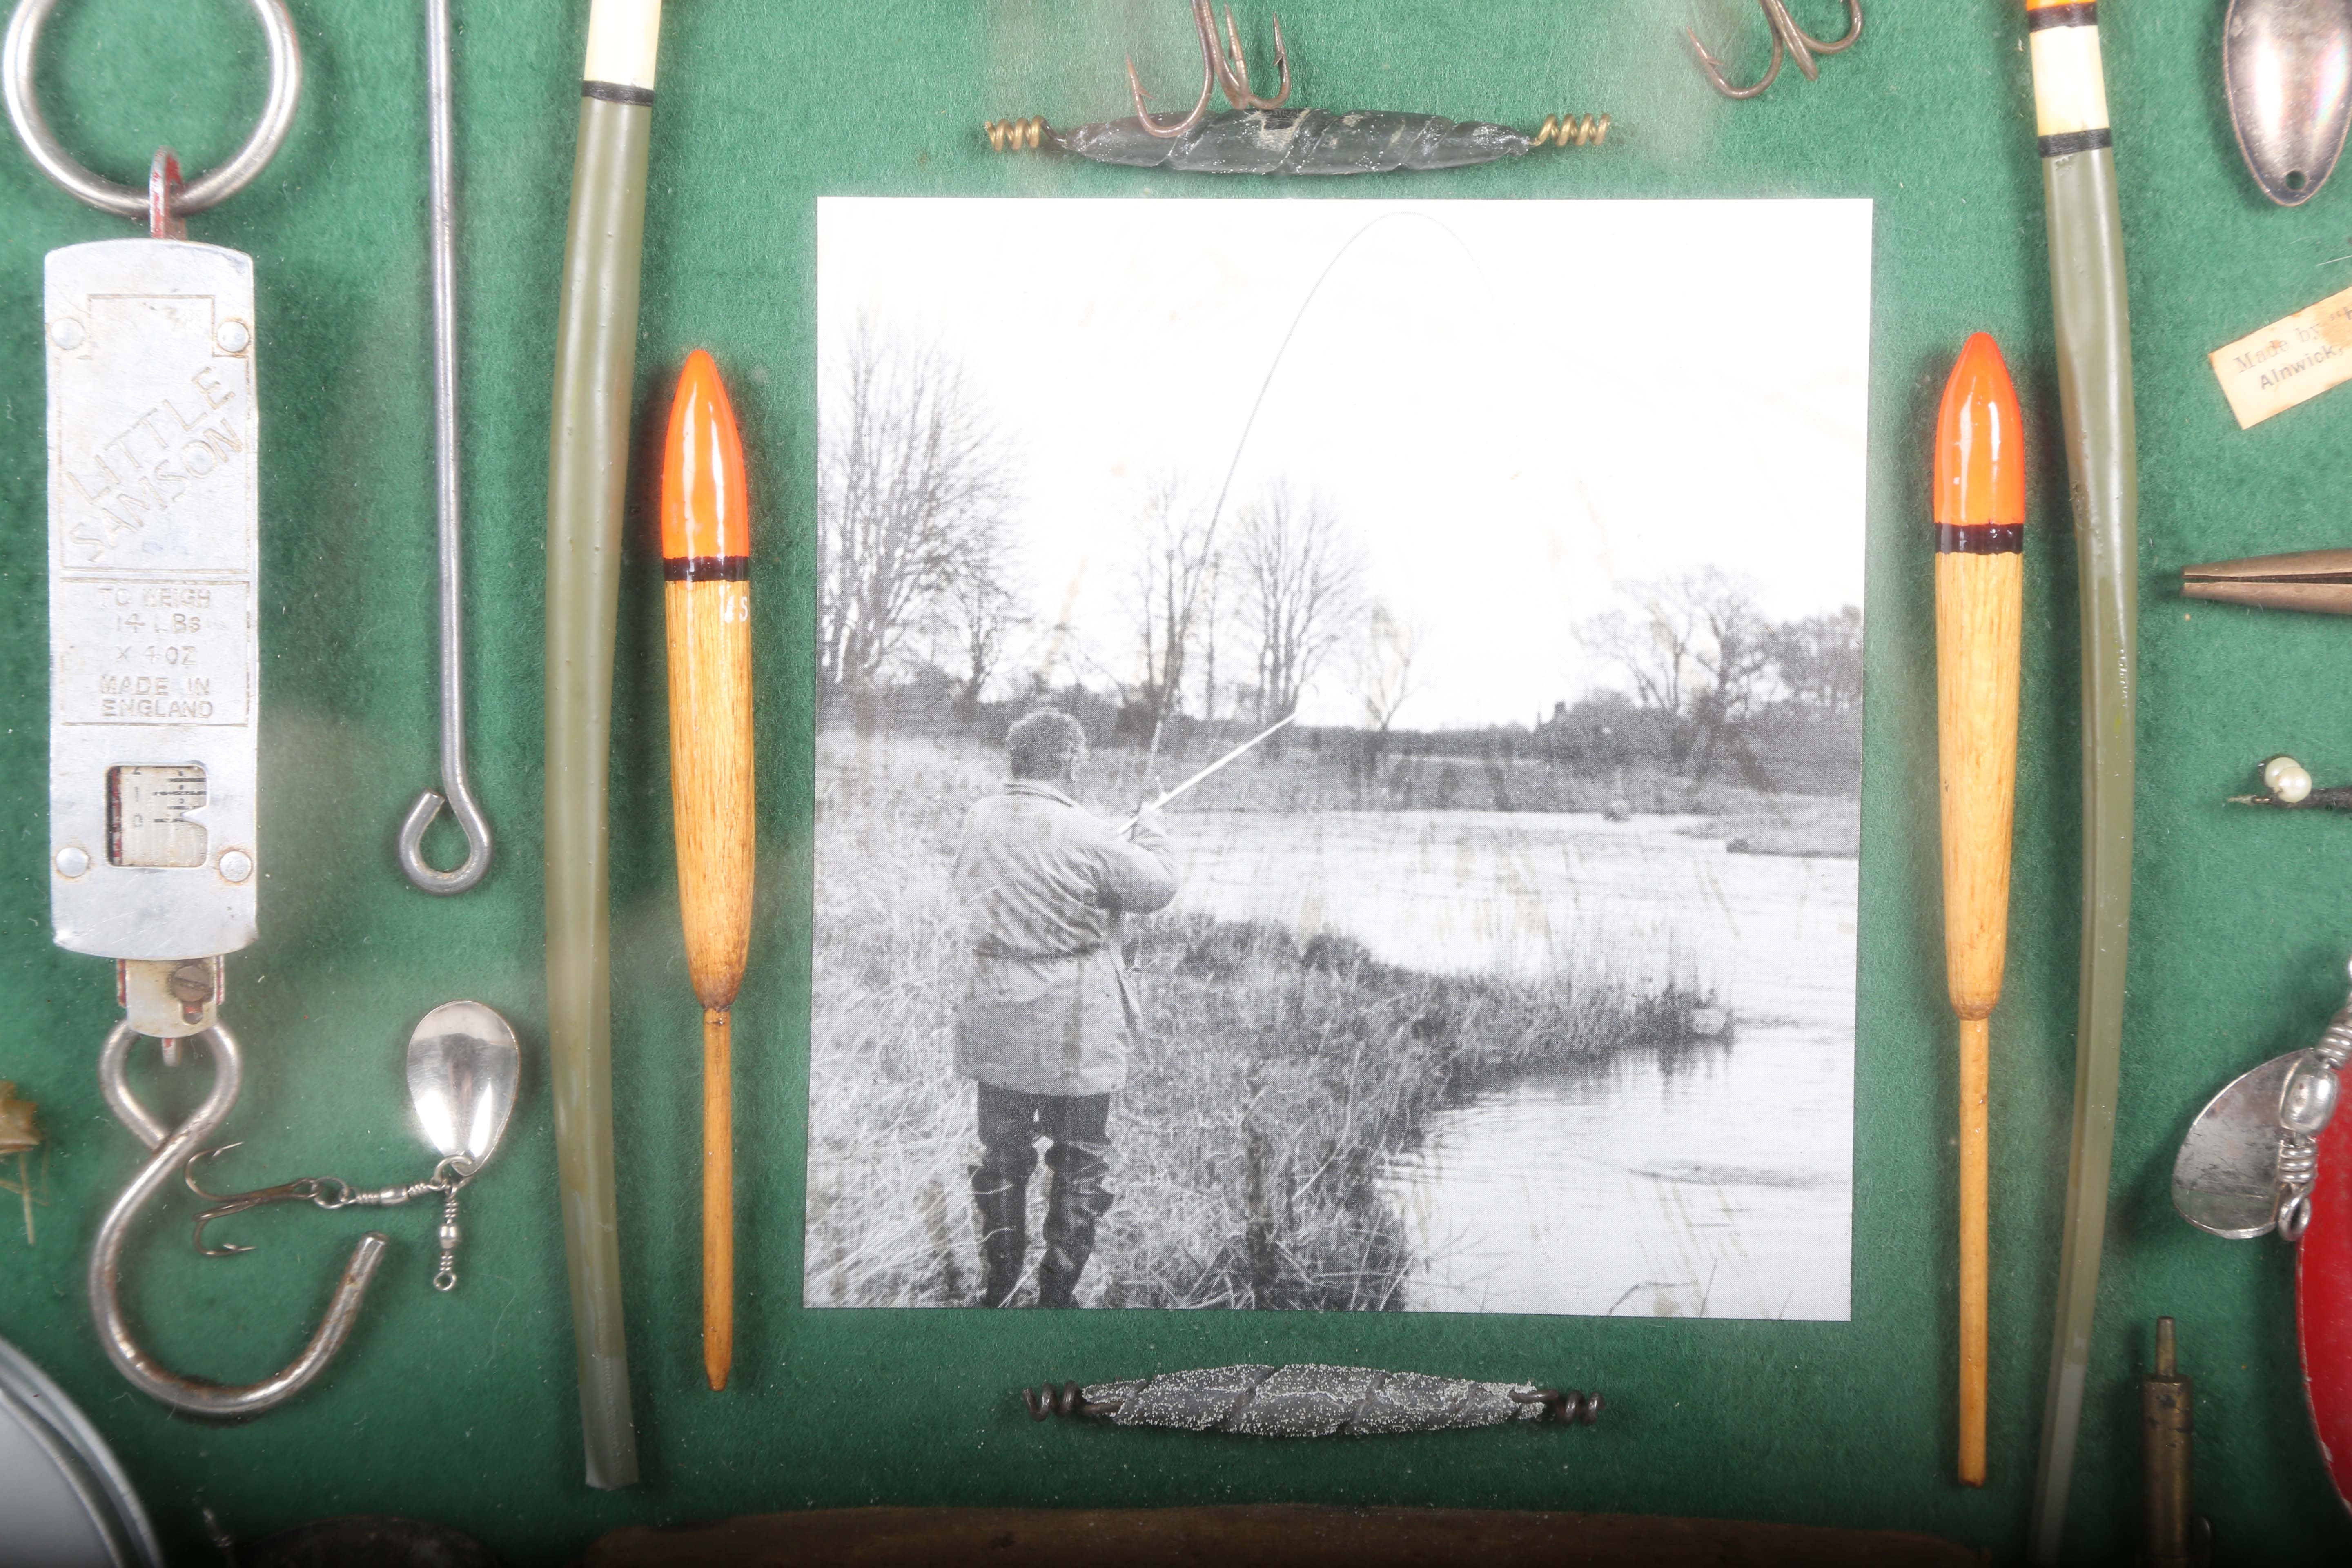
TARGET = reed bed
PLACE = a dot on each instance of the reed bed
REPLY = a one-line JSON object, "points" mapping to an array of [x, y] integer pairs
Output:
{"points": [[1277, 1077]]}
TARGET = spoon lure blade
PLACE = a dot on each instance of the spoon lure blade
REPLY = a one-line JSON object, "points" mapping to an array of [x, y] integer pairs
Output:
{"points": [[2287, 66], [2225, 1178], [464, 1068]]}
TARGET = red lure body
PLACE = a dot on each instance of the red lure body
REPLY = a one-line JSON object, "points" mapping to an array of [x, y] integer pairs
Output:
{"points": [[2322, 1305]]}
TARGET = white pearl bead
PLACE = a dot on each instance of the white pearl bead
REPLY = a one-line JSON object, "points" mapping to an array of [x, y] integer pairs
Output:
{"points": [[2287, 779]]}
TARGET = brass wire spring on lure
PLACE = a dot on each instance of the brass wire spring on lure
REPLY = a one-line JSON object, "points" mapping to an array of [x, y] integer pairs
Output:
{"points": [[1067, 1400], [1017, 135], [1561, 129]]}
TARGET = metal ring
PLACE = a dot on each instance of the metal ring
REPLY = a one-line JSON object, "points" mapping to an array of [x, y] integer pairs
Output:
{"points": [[25, 113]]}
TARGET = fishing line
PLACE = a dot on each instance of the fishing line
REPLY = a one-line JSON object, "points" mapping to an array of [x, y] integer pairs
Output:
{"points": [[1267, 384]]}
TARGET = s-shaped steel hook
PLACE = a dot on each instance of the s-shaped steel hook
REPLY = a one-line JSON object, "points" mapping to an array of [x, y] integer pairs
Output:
{"points": [[1788, 38], [170, 1147], [455, 785]]}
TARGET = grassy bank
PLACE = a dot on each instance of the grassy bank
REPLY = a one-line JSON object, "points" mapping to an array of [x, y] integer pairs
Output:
{"points": [[1276, 1078], [1806, 824]]}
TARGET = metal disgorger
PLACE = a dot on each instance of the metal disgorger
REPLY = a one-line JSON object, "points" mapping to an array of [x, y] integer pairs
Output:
{"points": [[455, 786]]}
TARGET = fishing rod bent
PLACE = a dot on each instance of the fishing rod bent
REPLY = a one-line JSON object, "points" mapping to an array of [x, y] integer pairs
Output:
{"points": [[1265, 385], [1168, 795]]}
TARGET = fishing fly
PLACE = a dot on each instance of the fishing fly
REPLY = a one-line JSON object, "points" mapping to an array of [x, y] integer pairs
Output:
{"points": [[20, 1134]]}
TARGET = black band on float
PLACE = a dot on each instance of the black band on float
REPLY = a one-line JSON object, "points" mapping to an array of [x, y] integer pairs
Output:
{"points": [[2087, 16], [1981, 538], [706, 568], [618, 93], [2070, 141]]}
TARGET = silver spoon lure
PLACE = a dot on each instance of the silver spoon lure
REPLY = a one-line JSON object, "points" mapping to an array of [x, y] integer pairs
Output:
{"points": [[2249, 1160], [2287, 66], [463, 1068]]}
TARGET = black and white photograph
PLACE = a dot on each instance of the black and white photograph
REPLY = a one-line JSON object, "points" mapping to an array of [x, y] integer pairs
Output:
{"points": [[1339, 755]]}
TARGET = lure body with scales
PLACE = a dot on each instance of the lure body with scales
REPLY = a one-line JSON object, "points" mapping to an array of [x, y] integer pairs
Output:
{"points": [[1308, 1400]]}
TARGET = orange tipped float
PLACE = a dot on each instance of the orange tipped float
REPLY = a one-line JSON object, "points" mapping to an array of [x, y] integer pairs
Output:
{"points": [[1980, 470], [707, 559], [706, 516], [1979, 616]]}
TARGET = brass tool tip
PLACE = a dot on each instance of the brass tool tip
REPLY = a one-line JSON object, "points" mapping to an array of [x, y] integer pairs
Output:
{"points": [[2317, 581]]}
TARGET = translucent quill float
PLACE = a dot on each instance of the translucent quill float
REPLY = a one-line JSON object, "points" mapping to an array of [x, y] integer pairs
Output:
{"points": [[2094, 402], [588, 461]]}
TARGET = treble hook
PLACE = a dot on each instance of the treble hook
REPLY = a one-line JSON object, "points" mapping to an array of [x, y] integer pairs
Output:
{"points": [[173, 1147], [326, 1191], [1218, 69], [1233, 74], [1786, 36], [448, 505]]}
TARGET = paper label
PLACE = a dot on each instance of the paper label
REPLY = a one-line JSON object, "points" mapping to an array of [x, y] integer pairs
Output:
{"points": [[2288, 362]]}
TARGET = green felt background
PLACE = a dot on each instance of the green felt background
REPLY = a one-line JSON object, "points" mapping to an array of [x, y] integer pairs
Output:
{"points": [[462, 1407]]}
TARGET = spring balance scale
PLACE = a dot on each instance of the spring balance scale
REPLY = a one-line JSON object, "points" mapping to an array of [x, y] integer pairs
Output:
{"points": [[154, 856]]}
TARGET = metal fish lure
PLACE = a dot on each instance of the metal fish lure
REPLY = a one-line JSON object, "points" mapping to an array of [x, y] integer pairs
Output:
{"points": [[1259, 136], [2271, 1152], [1308, 1400]]}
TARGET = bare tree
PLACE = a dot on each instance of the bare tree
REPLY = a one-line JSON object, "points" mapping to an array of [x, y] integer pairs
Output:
{"points": [[1174, 562], [983, 614], [1383, 679], [1819, 660], [1383, 673], [1697, 649], [1301, 576], [1734, 649], [1695, 643], [1653, 648], [1736, 654], [912, 485], [1212, 619]]}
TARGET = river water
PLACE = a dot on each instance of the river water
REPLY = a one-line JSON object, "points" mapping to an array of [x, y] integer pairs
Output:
{"points": [[1714, 1181]]}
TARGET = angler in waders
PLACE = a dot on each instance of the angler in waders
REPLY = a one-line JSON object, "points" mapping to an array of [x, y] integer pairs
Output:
{"points": [[1050, 1015]]}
